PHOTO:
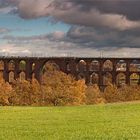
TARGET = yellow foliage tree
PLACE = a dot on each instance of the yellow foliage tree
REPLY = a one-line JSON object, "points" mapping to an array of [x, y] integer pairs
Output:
{"points": [[111, 93], [5, 92], [61, 89], [93, 95]]}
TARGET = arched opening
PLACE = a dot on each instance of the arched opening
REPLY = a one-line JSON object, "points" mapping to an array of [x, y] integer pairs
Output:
{"points": [[33, 75], [134, 79], [11, 77], [107, 66], [134, 66], [81, 66], [77, 68], [94, 78], [81, 76], [48, 66], [22, 76], [94, 66], [68, 67], [22, 65], [1, 65], [11, 65], [33, 66], [121, 65], [51, 66], [107, 78], [121, 79]]}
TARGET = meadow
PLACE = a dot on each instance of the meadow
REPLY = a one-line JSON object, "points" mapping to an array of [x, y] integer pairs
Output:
{"points": [[119, 121]]}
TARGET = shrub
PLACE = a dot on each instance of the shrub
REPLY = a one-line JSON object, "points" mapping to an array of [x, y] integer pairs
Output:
{"points": [[111, 93], [129, 93], [93, 95], [124, 93]]}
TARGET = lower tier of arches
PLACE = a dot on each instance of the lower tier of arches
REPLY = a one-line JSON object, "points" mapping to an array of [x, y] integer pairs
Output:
{"points": [[99, 78]]}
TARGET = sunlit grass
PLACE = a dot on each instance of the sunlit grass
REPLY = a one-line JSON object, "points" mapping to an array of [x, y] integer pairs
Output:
{"points": [[101, 122]]}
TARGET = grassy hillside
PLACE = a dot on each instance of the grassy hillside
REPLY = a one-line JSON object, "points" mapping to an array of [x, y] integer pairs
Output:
{"points": [[101, 122]]}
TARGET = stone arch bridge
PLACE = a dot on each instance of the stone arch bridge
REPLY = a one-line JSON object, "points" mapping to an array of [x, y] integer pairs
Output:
{"points": [[99, 71]]}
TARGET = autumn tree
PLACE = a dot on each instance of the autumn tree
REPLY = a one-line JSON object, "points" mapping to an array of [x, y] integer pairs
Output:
{"points": [[59, 88], [93, 95], [62, 89], [26, 92], [5, 92], [111, 93], [129, 93]]}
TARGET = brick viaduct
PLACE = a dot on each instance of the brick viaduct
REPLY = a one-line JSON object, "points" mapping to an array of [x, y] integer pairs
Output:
{"points": [[93, 70]]}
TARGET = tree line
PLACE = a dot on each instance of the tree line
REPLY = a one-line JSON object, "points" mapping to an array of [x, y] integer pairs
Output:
{"points": [[58, 88]]}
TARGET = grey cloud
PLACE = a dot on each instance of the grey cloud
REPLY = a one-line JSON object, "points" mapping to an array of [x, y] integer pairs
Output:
{"points": [[78, 41], [128, 8], [8, 6], [83, 37], [103, 38], [98, 24], [4, 3], [88, 13], [114, 14]]}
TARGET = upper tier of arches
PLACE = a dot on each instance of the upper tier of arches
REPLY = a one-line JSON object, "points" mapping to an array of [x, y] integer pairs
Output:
{"points": [[99, 71]]}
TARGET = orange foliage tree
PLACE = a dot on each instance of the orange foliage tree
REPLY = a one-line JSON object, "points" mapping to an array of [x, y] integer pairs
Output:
{"points": [[5, 92], [111, 93], [61, 89], [26, 92], [93, 95]]}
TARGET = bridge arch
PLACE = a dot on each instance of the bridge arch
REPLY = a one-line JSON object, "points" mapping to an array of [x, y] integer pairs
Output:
{"points": [[11, 77], [33, 66], [134, 79], [120, 79], [94, 65], [33, 75], [22, 65], [94, 78], [48, 65], [108, 65], [121, 65], [81, 66], [22, 76], [134, 66], [81, 76], [68, 67], [107, 78], [11, 65], [1, 69]]}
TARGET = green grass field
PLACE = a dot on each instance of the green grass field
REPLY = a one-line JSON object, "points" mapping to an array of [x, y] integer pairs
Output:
{"points": [[99, 122]]}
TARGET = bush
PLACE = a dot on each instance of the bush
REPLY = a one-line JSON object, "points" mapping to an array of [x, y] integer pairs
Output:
{"points": [[129, 93], [111, 93], [124, 93], [93, 95]]}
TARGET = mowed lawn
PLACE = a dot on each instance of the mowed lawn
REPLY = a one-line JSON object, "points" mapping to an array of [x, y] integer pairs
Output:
{"points": [[98, 122]]}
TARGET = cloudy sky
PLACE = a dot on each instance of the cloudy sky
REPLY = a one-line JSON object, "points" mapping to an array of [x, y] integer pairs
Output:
{"points": [[90, 28]]}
